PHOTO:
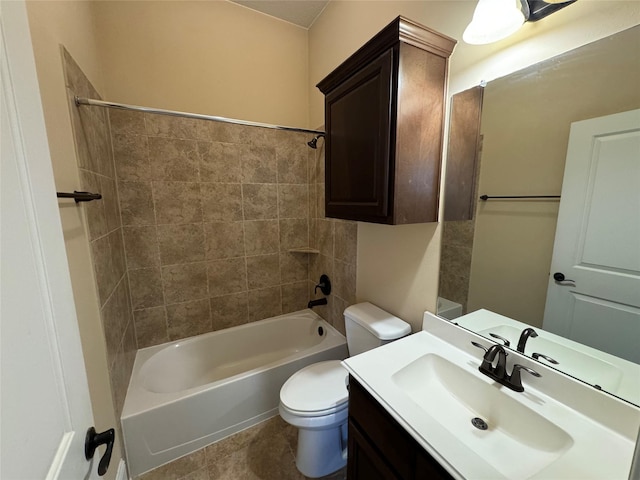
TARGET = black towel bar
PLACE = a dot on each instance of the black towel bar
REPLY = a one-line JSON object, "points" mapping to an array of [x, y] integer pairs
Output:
{"points": [[487, 197], [80, 196]]}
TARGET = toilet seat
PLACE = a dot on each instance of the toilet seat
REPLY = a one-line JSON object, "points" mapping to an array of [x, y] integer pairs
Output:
{"points": [[316, 390]]}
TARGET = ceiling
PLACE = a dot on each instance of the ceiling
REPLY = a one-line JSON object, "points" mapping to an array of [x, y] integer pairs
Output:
{"points": [[298, 12]]}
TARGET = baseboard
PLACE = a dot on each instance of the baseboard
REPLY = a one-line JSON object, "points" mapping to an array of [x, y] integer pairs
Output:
{"points": [[121, 474]]}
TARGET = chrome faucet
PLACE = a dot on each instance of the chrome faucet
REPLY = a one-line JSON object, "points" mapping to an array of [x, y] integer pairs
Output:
{"points": [[499, 371], [524, 336]]}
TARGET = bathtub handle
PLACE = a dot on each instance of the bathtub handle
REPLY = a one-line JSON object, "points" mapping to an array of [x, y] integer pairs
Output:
{"points": [[93, 440]]}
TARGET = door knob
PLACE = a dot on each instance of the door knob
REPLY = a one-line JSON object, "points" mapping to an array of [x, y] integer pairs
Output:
{"points": [[93, 440], [561, 280]]}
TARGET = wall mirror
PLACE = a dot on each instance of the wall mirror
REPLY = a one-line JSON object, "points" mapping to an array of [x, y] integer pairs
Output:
{"points": [[502, 262]]}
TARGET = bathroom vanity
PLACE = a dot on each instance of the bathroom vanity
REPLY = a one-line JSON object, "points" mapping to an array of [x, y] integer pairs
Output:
{"points": [[379, 448], [420, 408]]}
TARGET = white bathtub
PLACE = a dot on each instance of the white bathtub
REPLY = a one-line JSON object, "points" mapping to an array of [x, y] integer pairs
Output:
{"points": [[188, 394]]}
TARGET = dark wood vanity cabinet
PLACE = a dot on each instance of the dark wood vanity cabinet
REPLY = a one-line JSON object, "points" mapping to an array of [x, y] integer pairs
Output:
{"points": [[379, 448], [384, 111]]}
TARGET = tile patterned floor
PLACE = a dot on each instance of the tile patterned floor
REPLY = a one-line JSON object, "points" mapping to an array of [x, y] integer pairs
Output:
{"points": [[263, 452]]}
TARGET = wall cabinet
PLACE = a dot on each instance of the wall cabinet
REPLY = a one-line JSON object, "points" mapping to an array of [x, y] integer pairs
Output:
{"points": [[384, 112], [379, 448]]}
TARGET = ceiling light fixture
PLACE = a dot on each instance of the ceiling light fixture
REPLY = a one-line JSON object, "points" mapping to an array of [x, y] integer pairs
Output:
{"points": [[494, 20]]}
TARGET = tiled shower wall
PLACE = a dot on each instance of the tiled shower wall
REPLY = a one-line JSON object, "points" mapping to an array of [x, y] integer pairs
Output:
{"points": [[210, 211], [337, 242], [455, 261], [97, 174]]}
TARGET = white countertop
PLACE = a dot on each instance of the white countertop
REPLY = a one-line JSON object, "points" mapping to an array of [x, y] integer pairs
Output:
{"points": [[601, 445]]}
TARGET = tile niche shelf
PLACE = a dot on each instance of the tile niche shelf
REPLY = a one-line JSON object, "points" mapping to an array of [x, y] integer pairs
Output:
{"points": [[304, 250]]}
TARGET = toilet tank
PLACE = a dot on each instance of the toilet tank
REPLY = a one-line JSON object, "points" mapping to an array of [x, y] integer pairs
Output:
{"points": [[368, 326]]}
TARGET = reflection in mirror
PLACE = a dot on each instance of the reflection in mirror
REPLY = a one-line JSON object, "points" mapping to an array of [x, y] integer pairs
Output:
{"points": [[503, 260]]}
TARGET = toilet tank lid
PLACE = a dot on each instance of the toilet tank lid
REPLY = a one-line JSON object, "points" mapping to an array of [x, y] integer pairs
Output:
{"points": [[382, 324]]}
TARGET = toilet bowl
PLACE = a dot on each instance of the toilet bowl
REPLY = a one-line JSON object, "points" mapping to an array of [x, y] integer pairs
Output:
{"points": [[315, 399]]}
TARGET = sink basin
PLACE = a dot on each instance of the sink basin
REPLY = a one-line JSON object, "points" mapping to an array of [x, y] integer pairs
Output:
{"points": [[517, 442]]}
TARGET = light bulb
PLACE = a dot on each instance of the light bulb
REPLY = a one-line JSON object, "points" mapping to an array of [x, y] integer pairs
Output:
{"points": [[493, 20]]}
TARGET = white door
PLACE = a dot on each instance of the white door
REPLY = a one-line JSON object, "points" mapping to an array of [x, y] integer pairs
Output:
{"points": [[597, 245], [45, 409]]}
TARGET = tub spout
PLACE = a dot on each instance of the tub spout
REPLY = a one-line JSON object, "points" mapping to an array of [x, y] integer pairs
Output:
{"points": [[315, 303]]}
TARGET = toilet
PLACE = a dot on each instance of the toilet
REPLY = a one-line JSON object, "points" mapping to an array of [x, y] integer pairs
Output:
{"points": [[315, 399]]}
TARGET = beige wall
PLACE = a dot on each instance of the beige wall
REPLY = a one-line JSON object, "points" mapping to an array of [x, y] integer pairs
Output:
{"points": [[513, 241], [401, 279], [213, 57], [71, 24]]}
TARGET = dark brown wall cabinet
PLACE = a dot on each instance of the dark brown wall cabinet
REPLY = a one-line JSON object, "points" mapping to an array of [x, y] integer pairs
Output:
{"points": [[379, 448], [384, 111]]}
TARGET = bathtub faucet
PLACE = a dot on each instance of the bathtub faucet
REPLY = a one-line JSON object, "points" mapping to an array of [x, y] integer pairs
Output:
{"points": [[316, 303]]}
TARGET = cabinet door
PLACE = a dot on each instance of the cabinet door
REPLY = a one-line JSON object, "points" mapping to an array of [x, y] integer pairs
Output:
{"points": [[365, 462], [359, 120]]}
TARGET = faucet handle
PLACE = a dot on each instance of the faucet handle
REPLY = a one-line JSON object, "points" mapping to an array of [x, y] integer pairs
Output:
{"points": [[506, 342], [515, 381], [476, 344], [537, 356]]}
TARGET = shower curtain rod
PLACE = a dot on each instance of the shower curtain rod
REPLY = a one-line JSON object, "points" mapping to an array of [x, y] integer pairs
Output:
{"points": [[137, 108]]}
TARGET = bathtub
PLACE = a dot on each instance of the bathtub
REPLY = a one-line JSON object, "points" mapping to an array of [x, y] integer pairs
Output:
{"points": [[188, 394]]}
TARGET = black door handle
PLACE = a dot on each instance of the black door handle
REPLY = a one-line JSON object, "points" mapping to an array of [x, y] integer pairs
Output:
{"points": [[93, 440], [561, 280]]}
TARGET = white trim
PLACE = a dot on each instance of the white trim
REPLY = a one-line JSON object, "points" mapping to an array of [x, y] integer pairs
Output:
{"points": [[121, 474]]}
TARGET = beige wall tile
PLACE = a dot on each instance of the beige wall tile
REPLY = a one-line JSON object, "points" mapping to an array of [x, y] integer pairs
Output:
{"points": [[260, 201], [293, 201], [79, 117], [227, 276], [220, 162], [96, 131], [131, 156], [181, 243], [346, 241], [123, 121], [261, 237], [115, 316], [320, 199], [338, 306], [136, 203], [224, 240], [264, 303], [344, 280], [294, 267], [292, 163], [188, 319], [225, 132], [319, 265], [104, 267], [146, 288], [182, 283], [177, 202], [259, 164], [151, 326], [294, 233], [295, 296], [229, 310], [325, 235], [263, 271], [170, 126], [173, 159], [323, 310], [116, 243], [96, 216], [110, 203], [141, 246], [221, 202]]}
